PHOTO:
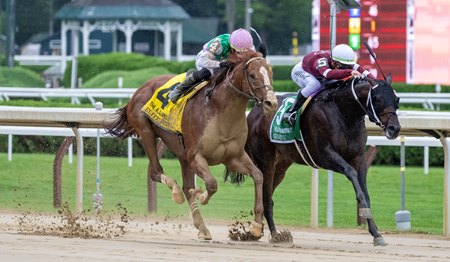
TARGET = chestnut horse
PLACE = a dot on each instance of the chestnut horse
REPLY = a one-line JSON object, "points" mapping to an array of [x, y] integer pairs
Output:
{"points": [[214, 132], [334, 136]]}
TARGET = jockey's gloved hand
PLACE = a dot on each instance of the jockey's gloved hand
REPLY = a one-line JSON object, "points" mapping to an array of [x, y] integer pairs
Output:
{"points": [[263, 49], [356, 74], [224, 64]]}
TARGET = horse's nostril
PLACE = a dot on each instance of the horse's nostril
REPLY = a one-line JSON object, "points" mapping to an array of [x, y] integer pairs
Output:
{"points": [[269, 104], [393, 129]]}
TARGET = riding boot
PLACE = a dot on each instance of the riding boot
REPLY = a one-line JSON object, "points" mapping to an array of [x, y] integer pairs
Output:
{"points": [[289, 115], [182, 87]]}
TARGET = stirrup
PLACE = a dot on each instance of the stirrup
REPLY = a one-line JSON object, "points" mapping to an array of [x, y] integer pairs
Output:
{"points": [[290, 118]]}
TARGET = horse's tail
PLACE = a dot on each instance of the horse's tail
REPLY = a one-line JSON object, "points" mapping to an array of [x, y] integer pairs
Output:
{"points": [[234, 177], [119, 126]]}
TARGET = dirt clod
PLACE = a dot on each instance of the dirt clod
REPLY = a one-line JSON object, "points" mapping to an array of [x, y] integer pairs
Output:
{"points": [[239, 230], [69, 224]]}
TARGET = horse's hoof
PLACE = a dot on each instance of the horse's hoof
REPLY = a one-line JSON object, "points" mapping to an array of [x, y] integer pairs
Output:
{"points": [[177, 195], [284, 236], [379, 241], [203, 198], [365, 212], [195, 192], [199, 195], [204, 234], [256, 229]]}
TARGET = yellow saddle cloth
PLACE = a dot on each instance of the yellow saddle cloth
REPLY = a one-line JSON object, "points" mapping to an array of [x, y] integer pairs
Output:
{"points": [[162, 111]]}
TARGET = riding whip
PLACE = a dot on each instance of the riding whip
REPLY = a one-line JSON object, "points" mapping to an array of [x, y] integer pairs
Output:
{"points": [[374, 57]]}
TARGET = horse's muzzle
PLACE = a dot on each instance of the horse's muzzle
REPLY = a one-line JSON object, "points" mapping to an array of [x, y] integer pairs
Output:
{"points": [[392, 131], [269, 107], [270, 104]]}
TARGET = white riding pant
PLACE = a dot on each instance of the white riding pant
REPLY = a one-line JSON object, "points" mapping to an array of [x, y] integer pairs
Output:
{"points": [[307, 82], [206, 59]]}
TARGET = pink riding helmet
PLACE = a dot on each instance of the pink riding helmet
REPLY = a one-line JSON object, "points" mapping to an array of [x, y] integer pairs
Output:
{"points": [[241, 40]]}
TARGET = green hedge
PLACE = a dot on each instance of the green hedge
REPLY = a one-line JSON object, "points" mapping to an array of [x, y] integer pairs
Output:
{"points": [[413, 156], [92, 65], [19, 77], [131, 79], [282, 72], [422, 88]]}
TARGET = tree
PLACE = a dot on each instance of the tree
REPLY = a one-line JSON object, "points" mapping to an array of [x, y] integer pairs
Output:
{"points": [[34, 17], [275, 20]]}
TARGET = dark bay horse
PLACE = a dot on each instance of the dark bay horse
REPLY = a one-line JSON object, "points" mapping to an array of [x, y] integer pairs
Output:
{"points": [[335, 136], [214, 131]]}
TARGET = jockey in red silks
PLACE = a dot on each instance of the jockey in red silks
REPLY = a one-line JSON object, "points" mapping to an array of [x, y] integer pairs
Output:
{"points": [[213, 56], [319, 66]]}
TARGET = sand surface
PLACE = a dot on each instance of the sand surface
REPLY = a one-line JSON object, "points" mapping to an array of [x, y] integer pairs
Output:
{"points": [[36, 238]]}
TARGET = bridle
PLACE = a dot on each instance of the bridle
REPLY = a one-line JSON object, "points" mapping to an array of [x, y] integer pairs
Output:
{"points": [[252, 91], [369, 109]]}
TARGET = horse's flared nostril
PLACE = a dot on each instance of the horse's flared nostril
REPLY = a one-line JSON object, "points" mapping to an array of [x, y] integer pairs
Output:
{"points": [[393, 130], [270, 106]]}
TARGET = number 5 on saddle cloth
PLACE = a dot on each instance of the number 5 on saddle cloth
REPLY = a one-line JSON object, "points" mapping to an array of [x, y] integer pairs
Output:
{"points": [[281, 131]]}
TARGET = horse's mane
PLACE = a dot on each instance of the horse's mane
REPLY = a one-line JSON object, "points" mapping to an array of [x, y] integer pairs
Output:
{"points": [[234, 59], [335, 88], [240, 57]]}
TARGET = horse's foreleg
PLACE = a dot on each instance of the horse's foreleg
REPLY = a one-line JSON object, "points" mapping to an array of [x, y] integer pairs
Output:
{"points": [[341, 166], [378, 240], [200, 165], [244, 165], [268, 201], [189, 183], [275, 174]]}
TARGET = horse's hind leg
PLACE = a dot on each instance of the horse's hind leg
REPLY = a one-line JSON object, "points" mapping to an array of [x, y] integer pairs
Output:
{"points": [[189, 183], [244, 165], [155, 170]]}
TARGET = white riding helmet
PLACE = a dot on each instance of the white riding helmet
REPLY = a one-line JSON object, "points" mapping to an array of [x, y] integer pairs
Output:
{"points": [[343, 54]]}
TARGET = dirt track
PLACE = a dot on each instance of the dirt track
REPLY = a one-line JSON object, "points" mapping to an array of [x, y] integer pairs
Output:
{"points": [[147, 240]]}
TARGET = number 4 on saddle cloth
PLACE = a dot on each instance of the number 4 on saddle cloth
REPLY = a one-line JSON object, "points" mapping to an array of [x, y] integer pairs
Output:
{"points": [[282, 132], [162, 111]]}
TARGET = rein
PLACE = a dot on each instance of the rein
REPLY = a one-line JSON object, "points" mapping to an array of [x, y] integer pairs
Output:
{"points": [[252, 95], [369, 108], [371, 112]]}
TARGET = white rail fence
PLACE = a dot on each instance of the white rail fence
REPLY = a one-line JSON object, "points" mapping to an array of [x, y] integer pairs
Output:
{"points": [[78, 93], [428, 100], [11, 131]]}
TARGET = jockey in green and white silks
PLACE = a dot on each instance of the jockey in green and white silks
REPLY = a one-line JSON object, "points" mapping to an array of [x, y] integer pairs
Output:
{"points": [[212, 57], [217, 50]]}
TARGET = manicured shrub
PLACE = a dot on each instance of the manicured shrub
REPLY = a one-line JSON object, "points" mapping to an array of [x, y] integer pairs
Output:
{"points": [[19, 77]]}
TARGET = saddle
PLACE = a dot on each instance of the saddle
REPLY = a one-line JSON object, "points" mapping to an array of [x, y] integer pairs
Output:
{"points": [[162, 111]]}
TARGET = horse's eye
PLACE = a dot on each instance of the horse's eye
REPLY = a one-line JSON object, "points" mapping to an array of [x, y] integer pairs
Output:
{"points": [[377, 101], [252, 76]]}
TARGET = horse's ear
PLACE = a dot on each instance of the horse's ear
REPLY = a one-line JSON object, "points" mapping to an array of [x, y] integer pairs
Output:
{"points": [[389, 78]]}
